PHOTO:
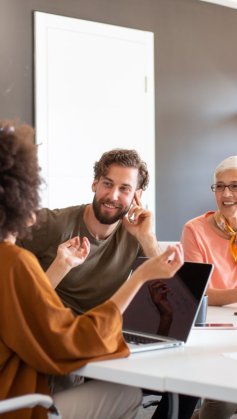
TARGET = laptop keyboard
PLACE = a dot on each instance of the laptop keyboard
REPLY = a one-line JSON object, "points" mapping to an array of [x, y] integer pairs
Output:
{"points": [[137, 339]]}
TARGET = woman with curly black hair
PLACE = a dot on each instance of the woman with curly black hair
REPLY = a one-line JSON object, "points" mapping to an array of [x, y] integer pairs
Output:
{"points": [[39, 337]]}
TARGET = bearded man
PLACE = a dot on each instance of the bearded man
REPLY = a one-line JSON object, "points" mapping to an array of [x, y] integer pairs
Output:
{"points": [[116, 225]]}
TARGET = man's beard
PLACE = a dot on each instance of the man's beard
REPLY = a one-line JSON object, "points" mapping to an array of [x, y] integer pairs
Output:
{"points": [[107, 218]]}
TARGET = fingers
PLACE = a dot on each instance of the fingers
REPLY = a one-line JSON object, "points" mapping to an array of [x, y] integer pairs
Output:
{"points": [[81, 246], [85, 241], [178, 258], [76, 244], [173, 254], [178, 254], [75, 241], [137, 214], [85, 246], [171, 260]]}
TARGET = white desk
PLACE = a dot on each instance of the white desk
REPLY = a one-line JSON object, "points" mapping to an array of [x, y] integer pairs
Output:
{"points": [[199, 368]]}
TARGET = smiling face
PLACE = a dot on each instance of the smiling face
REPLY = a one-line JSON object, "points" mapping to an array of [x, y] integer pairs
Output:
{"points": [[114, 193], [227, 200]]}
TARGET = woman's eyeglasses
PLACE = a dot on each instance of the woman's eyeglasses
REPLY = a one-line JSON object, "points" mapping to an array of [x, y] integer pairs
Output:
{"points": [[220, 187]]}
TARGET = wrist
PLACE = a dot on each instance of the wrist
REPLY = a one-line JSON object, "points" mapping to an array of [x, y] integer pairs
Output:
{"points": [[57, 270], [150, 245], [61, 265]]}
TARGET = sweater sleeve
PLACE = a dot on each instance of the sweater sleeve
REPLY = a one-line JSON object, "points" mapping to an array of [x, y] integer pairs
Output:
{"points": [[45, 334]]}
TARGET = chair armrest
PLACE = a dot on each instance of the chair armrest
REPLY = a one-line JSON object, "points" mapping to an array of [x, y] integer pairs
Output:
{"points": [[29, 400]]}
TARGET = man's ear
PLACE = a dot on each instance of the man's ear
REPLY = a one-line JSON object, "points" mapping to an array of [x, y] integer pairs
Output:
{"points": [[94, 184], [137, 197], [138, 192]]}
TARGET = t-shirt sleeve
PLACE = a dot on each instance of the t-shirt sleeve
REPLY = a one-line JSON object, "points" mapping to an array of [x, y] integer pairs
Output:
{"points": [[45, 334], [191, 246]]}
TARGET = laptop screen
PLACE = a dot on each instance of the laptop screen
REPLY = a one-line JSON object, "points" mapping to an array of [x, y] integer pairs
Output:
{"points": [[168, 307]]}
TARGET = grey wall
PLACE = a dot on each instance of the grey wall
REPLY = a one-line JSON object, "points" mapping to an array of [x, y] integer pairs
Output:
{"points": [[196, 87]]}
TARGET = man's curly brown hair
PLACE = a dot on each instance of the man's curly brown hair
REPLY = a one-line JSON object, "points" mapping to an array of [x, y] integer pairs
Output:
{"points": [[124, 158], [19, 178]]}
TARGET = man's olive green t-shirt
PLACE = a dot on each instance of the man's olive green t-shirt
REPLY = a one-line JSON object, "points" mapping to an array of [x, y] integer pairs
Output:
{"points": [[105, 269]]}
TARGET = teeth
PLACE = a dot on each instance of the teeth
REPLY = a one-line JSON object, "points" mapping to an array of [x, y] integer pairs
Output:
{"points": [[229, 203], [109, 206]]}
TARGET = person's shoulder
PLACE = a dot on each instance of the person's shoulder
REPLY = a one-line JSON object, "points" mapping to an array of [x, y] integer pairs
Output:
{"points": [[24, 255], [26, 271], [199, 220], [19, 256], [57, 213], [65, 210]]}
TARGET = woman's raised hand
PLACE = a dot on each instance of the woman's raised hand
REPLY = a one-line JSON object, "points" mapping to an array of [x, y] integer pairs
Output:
{"points": [[74, 251], [164, 265]]}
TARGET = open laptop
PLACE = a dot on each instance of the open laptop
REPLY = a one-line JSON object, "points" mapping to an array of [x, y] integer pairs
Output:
{"points": [[163, 311]]}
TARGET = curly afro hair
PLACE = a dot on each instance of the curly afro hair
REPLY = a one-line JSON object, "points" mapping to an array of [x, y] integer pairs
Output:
{"points": [[19, 178]]}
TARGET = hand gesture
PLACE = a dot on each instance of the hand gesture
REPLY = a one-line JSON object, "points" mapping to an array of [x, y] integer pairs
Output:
{"points": [[74, 251], [138, 221], [164, 265]]}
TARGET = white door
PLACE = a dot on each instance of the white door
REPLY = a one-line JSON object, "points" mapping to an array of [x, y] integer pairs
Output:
{"points": [[94, 91]]}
